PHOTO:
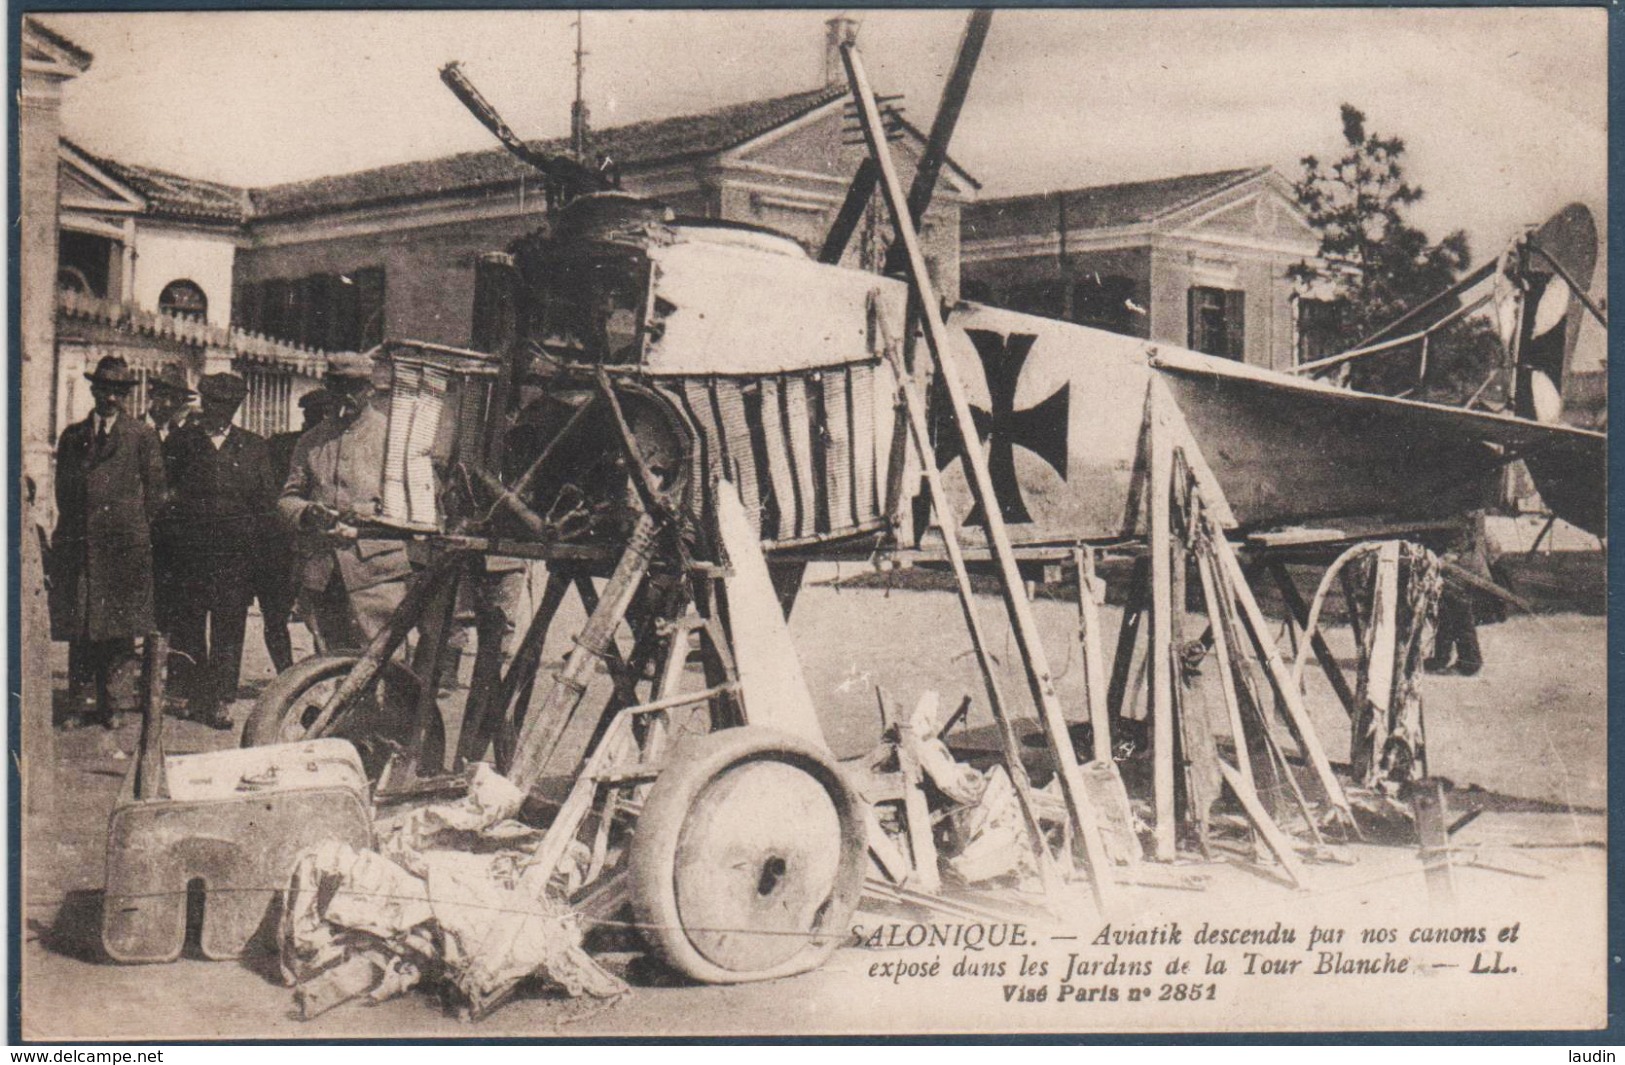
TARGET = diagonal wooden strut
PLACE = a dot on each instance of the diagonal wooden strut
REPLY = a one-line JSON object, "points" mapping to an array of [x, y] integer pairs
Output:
{"points": [[1039, 679]]}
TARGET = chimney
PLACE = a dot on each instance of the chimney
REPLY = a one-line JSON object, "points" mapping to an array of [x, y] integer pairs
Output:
{"points": [[842, 29]]}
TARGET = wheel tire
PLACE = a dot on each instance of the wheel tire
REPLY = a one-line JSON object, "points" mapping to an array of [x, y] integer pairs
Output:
{"points": [[748, 859], [375, 731]]}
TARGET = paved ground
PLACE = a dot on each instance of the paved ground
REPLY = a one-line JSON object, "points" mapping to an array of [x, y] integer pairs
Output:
{"points": [[1524, 739]]}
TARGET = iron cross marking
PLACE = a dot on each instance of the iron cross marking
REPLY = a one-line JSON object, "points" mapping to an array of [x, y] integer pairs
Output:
{"points": [[1039, 429]]}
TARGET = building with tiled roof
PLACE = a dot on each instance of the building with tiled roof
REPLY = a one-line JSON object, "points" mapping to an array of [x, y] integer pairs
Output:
{"points": [[338, 262], [1197, 260], [342, 260]]}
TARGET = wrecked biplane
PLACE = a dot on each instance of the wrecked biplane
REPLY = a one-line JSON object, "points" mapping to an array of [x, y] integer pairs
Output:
{"points": [[695, 409]]}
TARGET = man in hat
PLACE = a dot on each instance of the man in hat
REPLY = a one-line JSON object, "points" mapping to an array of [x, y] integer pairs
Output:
{"points": [[169, 400], [222, 506], [109, 488], [169, 406], [348, 584], [275, 580]]}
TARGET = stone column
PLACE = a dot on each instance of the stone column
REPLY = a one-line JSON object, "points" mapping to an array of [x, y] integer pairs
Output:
{"points": [[47, 62]]}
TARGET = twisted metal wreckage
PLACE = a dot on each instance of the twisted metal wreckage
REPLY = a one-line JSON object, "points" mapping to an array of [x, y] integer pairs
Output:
{"points": [[696, 410]]}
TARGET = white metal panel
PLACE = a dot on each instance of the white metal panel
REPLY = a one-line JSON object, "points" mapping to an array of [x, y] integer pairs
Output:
{"points": [[731, 310]]}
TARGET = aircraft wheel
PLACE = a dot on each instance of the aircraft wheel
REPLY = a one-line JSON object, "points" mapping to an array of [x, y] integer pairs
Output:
{"points": [[289, 705], [748, 859]]}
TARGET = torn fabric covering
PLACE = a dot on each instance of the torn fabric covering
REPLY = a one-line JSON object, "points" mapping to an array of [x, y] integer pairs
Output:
{"points": [[481, 916]]}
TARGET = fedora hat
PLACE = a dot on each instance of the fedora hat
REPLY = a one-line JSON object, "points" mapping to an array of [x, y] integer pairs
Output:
{"points": [[225, 388], [112, 372], [171, 378]]}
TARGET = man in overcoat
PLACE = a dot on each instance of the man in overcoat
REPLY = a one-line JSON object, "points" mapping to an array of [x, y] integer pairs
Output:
{"points": [[222, 510], [109, 488], [349, 584], [169, 400], [276, 580], [169, 407]]}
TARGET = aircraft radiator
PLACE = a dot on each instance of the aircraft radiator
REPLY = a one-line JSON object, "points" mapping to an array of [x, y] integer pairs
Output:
{"points": [[438, 402]]}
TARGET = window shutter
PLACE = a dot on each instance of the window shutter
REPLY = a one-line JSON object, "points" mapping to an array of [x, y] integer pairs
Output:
{"points": [[245, 313], [1193, 318], [346, 330], [369, 285], [496, 286], [319, 315], [274, 309], [1235, 324]]}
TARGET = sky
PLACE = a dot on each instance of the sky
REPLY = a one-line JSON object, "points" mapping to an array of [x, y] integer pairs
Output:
{"points": [[1503, 111]]}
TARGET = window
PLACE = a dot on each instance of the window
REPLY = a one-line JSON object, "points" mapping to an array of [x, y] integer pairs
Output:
{"points": [[1044, 298], [1217, 325], [1320, 326], [328, 312], [976, 291], [72, 279], [85, 263], [184, 299], [1107, 303]]}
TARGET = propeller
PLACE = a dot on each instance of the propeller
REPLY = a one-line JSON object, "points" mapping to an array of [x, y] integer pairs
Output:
{"points": [[571, 175]]}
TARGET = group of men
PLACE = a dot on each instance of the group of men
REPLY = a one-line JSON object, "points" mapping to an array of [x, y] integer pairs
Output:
{"points": [[178, 520]]}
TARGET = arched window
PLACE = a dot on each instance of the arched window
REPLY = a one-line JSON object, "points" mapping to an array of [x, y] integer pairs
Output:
{"points": [[184, 299], [72, 279]]}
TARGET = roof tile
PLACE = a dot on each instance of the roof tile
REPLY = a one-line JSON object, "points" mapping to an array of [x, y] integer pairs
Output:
{"points": [[1099, 206], [653, 141]]}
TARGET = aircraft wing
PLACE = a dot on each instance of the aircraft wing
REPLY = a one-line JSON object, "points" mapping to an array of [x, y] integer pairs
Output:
{"points": [[1352, 445]]}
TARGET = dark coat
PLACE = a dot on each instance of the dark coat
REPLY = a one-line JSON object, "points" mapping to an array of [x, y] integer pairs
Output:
{"points": [[101, 554], [340, 464], [222, 508]]}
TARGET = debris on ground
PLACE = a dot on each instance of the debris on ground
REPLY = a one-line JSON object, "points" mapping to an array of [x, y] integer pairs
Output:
{"points": [[453, 894]]}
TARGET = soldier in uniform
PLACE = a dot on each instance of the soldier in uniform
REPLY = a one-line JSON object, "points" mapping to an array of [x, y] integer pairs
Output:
{"points": [[222, 509], [275, 581], [109, 488], [348, 584]]}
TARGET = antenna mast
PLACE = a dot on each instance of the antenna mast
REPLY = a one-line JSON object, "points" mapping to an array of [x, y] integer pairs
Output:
{"points": [[578, 110]]}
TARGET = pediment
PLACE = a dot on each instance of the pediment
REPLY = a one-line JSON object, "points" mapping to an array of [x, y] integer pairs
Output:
{"points": [[1260, 211], [825, 143], [84, 186]]}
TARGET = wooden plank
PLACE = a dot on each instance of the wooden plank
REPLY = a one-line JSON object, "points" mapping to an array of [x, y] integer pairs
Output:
{"points": [[1277, 841], [1162, 600], [798, 419], [1280, 676], [861, 381], [775, 689], [779, 468], [1323, 654], [736, 438], [1094, 674], [1041, 682], [916, 814], [837, 450], [1431, 817], [1010, 744]]}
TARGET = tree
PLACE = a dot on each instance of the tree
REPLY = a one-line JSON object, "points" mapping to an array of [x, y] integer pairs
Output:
{"points": [[1378, 265]]}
